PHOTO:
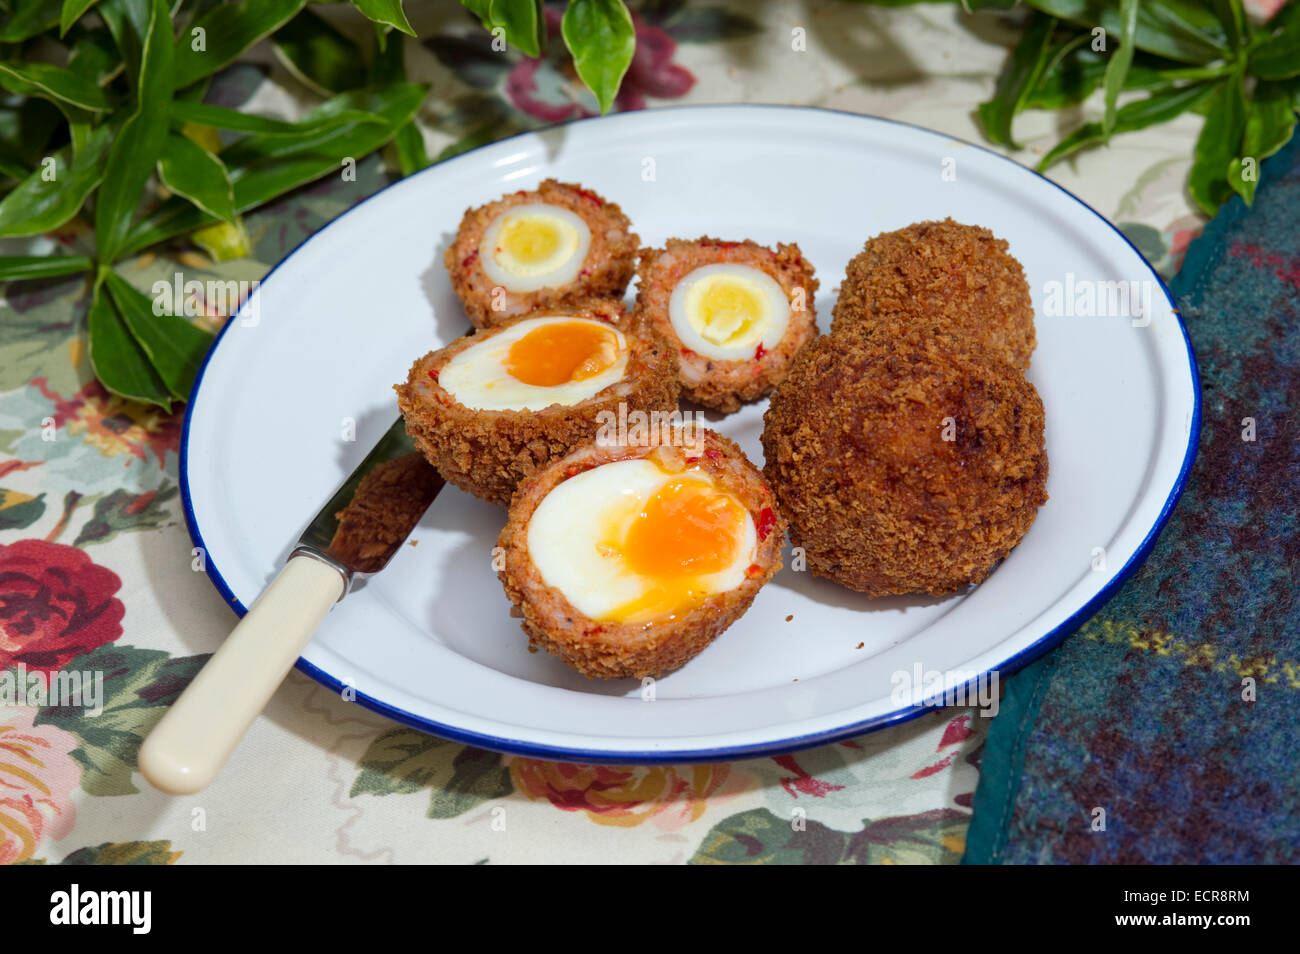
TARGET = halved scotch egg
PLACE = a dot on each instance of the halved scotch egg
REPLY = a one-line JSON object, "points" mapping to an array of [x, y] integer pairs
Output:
{"points": [[626, 562], [492, 407], [737, 312], [542, 249]]}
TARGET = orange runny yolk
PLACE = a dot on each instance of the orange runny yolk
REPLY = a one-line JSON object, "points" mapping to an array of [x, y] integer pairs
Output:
{"points": [[686, 531], [560, 352]]}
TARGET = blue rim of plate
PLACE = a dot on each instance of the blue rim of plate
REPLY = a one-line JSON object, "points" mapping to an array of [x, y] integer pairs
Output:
{"points": [[757, 750]]}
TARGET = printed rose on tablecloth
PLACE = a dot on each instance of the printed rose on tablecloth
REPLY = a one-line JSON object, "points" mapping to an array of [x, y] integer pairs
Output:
{"points": [[55, 603], [672, 796], [37, 777]]}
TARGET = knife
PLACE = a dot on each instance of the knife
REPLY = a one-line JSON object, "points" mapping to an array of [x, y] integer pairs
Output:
{"points": [[355, 534]]}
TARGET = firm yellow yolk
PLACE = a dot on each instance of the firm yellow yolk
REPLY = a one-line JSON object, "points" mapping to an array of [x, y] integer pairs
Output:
{"points": [[560, 352], [530, 239], [726, 309], [685, 532]]}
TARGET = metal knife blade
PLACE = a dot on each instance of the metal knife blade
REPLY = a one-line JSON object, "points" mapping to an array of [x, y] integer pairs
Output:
{"points": [[376, 508]]}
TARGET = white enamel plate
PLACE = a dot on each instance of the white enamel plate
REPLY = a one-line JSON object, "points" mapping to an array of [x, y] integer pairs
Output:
{"points": [[430, 641]]}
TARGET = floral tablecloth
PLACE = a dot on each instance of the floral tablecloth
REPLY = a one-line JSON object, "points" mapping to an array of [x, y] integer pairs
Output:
{"points": [[97, 575]]}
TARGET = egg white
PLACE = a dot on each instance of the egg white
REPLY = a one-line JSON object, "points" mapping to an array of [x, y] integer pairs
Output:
{"points": [[569, 523], [478, 379], [558, 270], [767, 331]]}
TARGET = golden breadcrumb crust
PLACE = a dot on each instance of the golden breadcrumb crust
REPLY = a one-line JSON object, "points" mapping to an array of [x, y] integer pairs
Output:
{"points": [[610, 650], [489, 452], [880, 501], [712, 382], [611, 256], [954, 281]]}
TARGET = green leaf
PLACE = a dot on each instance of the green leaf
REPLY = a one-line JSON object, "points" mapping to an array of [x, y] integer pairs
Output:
{"points": [[19, 511], [263, 168], [388, 12], [1074, 71], [1278, 57], [222, 118], [1018, 78], [52, 195], [71, 13], [1120, 60], [54, 83], [124, 853], [1217, 145], [524, 23], [1159, 107], [140, 141], [117, 358], [94, 56], [174, 347], [25, 130], [125, 510], [1270, 119], [26, 267], [139, 685], [319, 55], [1232, 16], [1182, 30], [389, 66], [128, 22], [29, 19], [411, 154], [227, 31], [188, 169], [600, 36]]}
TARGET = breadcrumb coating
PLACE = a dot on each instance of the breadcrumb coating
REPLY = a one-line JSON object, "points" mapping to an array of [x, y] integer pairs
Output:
{"points": [[953, 281], [904, 466]]}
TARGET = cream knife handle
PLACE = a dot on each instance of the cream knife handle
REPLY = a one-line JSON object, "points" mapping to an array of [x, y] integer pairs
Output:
{"points": [[196, 736]]}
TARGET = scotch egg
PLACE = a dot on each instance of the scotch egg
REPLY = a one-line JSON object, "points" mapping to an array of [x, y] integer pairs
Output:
{"points": [[542, 249], [492, 407], [737, 312], [628, 562]]}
